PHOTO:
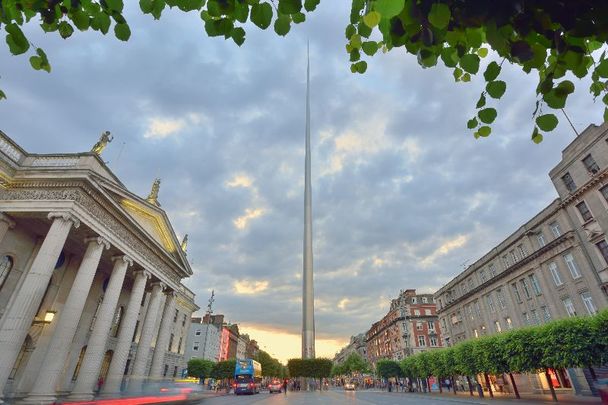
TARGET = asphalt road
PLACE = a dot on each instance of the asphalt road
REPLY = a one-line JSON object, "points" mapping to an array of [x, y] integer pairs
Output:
{"points": [[346, 397]]}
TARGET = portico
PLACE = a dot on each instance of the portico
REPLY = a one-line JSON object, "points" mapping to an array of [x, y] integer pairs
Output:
{"points": [[85, 263]]}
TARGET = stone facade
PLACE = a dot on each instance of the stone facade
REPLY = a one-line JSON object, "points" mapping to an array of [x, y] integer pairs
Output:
{"points": [[90, 280], [553, 266], [410, 327]]}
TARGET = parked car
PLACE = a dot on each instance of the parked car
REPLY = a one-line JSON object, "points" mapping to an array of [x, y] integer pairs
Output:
{"points": [[275, 386]]}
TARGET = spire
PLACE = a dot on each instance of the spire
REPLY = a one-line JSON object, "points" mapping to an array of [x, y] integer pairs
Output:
{"points": [[308, 311]]}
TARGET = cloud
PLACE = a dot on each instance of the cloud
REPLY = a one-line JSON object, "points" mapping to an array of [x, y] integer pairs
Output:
{"points": [[248, 287]]}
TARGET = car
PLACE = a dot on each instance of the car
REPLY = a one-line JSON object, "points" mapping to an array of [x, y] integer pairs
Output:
{"points": [[349, 386], [275, 386]]}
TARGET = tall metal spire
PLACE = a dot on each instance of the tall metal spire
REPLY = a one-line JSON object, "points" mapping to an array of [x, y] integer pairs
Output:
{"points": [[308, 310]]}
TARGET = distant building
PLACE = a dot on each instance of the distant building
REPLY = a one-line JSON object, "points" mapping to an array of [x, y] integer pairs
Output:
{"points": [[410, 327], [204, 338], [554, 266], [356, 345]]}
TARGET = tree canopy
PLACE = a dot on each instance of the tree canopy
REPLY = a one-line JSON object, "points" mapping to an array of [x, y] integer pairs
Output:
{"points": [[555, 40]]}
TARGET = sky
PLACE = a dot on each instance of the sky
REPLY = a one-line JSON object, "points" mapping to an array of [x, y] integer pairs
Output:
{"points": [[403, 195]]}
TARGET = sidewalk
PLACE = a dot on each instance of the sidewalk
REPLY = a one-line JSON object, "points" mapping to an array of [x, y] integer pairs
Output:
{"points": [[503, 398]]}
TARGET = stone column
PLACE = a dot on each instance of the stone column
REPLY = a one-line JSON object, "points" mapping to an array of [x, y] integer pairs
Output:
{"points": [[125, 335], [164, 333], [96, 346], [57, 351], [147, 333], [18, 318], [6, 223]]}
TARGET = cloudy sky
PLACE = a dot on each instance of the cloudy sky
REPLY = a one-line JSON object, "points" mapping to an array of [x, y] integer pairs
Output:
{"points": [[403, 194]]}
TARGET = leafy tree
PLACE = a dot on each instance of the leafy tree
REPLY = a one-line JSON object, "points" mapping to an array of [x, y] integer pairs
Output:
{"points": [[223, 370], [553, 39], [388, 369], [200, 368]]}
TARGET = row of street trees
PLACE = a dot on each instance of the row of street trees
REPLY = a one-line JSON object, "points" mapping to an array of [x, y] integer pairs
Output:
{"points": [[566, 343]]}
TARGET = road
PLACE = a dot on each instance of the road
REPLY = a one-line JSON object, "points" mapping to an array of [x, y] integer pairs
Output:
{"points": [[351, 398]]}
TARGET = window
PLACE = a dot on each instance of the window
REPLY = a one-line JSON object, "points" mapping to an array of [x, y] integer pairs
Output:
{"points": [[416, 312], [116, 322], [569, 182], [535, 284], [526, 317], [590, 164], [509, 323], [431, 325], [557, 232], [541, 239], [427, 312], [522, 251], [421, 341], [569, 259], [492, 270], [604, 191], [433, 340], [497, 326], [195, 346], [6, 265], [490, 303], [588, 301], [524, 286], [501, 299], [418, 325], [198, 332], [546, 314], [569, 307], [555, 274], [603, 247], [505, 261], [482, 276], [516, 292], [584, 211]]}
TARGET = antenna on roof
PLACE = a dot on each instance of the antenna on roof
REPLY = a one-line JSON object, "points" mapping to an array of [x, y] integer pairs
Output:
{"points": [[570, 122]]}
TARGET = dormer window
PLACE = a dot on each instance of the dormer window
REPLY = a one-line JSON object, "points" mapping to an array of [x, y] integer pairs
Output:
{"points": [[590, 164], [569, 182]]}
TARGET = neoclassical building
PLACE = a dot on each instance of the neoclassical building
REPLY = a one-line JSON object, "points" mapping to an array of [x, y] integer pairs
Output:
{"points": [[91, 299], [554, 266]]}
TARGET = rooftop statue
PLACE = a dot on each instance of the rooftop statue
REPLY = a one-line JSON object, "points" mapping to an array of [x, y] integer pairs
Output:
{"points": [[153, 196], [105, 138]]}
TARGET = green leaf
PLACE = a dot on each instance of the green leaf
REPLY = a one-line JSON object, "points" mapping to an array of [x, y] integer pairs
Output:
{"points": [[65, 29], [439, 16], [536, 136], [547, 122], [238, 35], [370, 47], [470, 63], [389, 8], [372, 19], [122, 31], [310, 5], [472, 123], [282, 25], [487, 115], [290, 6], [492, 71], [482, 101], [496, 88], [484, 131], [261, 15], [15, 39]]}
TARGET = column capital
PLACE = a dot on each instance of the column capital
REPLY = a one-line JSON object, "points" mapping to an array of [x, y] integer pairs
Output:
{"points": [[124, 258], [99, 240], [5, 218], [66, 216], [142, 273], [159, 284]]}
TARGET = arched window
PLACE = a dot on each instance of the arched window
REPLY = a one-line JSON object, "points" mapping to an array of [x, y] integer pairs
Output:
{"points": [[6, 265], [79, 363], [117, 321]]}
